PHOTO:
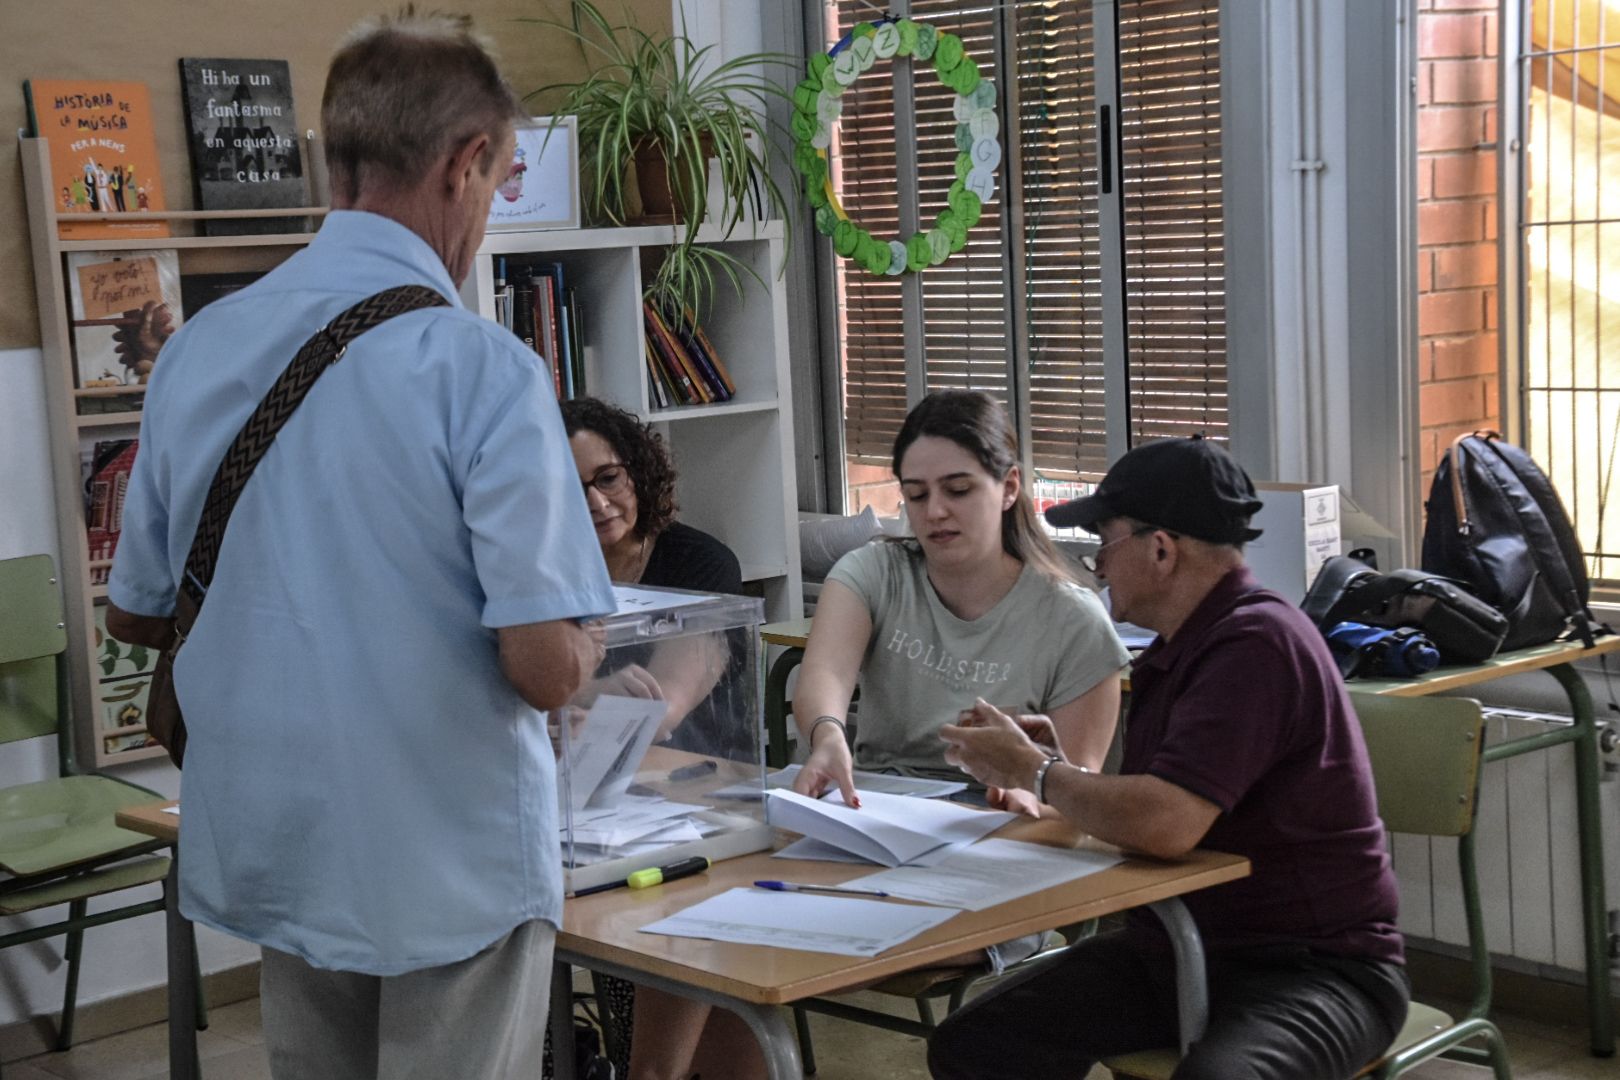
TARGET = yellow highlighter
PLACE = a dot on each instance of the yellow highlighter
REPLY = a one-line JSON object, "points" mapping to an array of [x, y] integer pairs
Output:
{"points": [[653, 875]]}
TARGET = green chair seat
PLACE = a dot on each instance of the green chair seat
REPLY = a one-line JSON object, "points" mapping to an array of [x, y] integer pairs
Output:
{"points": [[124, 875], [52, 824]]}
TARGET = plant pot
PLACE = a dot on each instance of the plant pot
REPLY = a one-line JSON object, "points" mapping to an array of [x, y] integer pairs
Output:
{"points": [[660, 205]]}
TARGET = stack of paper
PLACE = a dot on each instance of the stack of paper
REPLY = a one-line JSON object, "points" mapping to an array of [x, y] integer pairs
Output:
{"points": [[893, 830], [989, 873], [915, 786], [796, 921]]}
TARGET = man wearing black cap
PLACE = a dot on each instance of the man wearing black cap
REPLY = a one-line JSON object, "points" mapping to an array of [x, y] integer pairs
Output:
{"points": [[1241, 739]]}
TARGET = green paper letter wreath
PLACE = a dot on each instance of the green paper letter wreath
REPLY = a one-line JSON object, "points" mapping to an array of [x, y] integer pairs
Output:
{"points": [[818, 103]]}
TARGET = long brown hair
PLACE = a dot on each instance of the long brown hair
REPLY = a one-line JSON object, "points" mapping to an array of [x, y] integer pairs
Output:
{"points": [[977, 423]]}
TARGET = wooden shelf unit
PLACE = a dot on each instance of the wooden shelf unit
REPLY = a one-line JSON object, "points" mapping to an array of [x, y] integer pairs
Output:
{"points": [[71, 432], [734, 460]]}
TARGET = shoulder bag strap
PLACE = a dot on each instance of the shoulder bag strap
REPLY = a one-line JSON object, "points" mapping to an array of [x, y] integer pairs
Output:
{"points": [[324, 348]]}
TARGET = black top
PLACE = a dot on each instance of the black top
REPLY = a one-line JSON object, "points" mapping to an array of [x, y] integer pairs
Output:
{"points": [[687, 558]]}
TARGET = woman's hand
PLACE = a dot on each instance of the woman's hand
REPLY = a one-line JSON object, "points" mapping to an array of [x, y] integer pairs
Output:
{"points": [[829, 765]]}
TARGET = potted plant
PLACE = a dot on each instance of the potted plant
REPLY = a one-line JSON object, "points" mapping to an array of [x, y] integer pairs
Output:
{"points": [[662, 104]]}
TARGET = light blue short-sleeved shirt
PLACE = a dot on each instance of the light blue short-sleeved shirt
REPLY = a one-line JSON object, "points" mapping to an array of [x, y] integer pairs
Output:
{"points": [[363, 787]]}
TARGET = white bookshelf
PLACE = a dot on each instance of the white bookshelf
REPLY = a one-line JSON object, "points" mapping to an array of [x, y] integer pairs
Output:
{"points": [[734, 459]]}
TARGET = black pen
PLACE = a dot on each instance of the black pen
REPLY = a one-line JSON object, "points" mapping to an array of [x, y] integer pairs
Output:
{"points": [[692, 772]]}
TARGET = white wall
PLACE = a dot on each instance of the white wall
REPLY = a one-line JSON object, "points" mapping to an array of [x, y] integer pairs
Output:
{"points": [[123, 957]]}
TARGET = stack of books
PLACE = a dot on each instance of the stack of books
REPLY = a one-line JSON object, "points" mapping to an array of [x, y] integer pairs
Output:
{"points": [[683, 367], [537, 305]]}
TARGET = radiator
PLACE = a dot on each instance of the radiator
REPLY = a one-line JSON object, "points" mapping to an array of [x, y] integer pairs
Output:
{"points": [[1528, 856]]}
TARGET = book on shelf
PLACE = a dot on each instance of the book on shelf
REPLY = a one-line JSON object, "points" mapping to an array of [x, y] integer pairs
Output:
{"points": [[197, 291], [102, 151], [123, 684], [246, 149], [679, 347], [537, 306], [692, 326], [106, 483], [122, 307]]}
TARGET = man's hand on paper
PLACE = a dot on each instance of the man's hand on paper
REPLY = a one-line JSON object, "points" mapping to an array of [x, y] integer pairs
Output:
{"points": [[630, 681], [998, 750], [1017, 800], [829, 765]]}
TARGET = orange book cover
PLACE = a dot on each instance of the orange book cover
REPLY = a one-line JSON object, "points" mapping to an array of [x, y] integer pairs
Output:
{"points": [[103, 153]]}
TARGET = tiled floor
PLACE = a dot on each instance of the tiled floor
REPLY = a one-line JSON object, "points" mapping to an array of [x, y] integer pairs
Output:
{"points": [[233, 1049]]}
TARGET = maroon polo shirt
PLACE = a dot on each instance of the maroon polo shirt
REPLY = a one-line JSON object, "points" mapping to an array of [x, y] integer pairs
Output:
{"points": [[1246, 708]]}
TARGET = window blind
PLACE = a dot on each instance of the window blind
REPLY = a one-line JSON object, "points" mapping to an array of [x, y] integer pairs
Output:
{"points": [[1170, 156]]}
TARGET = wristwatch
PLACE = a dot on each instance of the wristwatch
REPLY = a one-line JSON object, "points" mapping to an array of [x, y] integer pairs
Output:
{"points": [[1039, 787]]}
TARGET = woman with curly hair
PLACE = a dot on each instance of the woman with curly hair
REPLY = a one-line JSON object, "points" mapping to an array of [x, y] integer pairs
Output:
{"points": [[630, 488]]}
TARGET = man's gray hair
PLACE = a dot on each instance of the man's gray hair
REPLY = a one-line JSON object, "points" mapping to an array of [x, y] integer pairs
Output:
{"points": [[405, 89]]}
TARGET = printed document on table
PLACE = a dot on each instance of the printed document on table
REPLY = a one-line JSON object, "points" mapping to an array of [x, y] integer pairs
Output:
{"points": [[829, 924], [889, 829], [605, 750], [990, 872]]}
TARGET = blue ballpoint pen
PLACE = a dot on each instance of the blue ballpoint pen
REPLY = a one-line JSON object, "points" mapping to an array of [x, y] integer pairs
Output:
{"points": [[789, 886]]}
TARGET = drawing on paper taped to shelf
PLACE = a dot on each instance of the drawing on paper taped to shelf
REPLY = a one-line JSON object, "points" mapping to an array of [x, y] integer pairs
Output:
{"points": [[103, 153], [541, 188], [123, 308]]}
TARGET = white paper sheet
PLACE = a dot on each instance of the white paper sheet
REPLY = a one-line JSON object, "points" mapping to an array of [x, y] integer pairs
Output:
{"points": [[915, 786], [175, 809], [889, 829], [829, 924], [630, 599], [990, 872], [606, 749]]}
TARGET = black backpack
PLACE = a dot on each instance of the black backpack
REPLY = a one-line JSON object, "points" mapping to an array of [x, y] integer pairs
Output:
{"points": [[1495, 522]]}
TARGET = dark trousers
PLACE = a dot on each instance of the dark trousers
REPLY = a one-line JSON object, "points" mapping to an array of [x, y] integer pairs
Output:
{"points": [[1284, 1013]]}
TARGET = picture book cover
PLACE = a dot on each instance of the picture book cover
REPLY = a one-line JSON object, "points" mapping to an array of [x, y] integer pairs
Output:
{"points": [[197, 291], [125, 683], [122, 308], [246, 149], [111, 462], [103, 153]]}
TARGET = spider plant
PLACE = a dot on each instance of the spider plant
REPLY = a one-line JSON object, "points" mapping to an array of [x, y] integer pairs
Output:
{"points": [[662, 101]]}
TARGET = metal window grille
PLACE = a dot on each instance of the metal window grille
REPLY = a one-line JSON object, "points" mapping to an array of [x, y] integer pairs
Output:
{"points": [[1562, 393]]}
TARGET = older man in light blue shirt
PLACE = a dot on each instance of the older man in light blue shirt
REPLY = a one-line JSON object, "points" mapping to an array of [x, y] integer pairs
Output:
{"points": [[369, 787]]}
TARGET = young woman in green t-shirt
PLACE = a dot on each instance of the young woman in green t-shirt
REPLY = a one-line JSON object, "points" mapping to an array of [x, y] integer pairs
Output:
{"points": [[978, 604]]}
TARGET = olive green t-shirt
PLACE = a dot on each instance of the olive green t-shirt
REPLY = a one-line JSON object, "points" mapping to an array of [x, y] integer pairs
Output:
{"points": [[1040, 647]]}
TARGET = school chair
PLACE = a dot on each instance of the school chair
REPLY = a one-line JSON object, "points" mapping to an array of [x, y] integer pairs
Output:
{"points": [[58, 843], [1425, 755]]}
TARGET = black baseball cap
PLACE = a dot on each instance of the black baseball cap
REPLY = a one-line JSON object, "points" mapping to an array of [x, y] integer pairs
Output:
{"points": [[1189, 486]]}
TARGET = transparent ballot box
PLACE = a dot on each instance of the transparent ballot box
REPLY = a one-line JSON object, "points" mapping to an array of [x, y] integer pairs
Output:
{"points": [[660, 755]]}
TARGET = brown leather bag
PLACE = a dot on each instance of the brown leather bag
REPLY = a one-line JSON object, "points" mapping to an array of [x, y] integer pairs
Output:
{"points": [[164, 720]]}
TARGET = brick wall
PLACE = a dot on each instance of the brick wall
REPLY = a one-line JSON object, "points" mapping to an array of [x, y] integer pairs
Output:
{"points": [[874, 486], [1456, 125]]}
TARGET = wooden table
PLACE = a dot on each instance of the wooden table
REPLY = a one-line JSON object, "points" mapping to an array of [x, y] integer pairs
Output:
{"points": [[1557, 659], [151, 819], [602, 933]]}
